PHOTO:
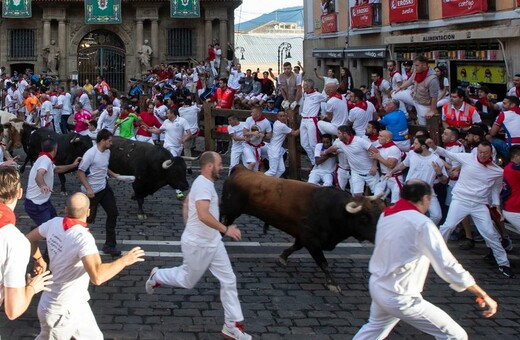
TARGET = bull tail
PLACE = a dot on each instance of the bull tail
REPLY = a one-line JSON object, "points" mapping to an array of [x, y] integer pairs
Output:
{"points": [[266, 228]]}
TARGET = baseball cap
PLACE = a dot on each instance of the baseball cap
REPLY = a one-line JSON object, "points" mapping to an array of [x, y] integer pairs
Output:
{"points": [[408, 63], [270, 100]]}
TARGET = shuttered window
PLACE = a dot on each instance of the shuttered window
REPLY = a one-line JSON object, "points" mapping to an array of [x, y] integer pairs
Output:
{"points": [[22, 44], [180, 42]]}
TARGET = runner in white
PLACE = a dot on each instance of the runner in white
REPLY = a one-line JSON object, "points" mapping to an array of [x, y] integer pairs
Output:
{"points": [[275, 150], [239, 149], [321, 173], [388, 155]]}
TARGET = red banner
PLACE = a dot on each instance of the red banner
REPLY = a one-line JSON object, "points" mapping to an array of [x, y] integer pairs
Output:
{"points": [[329, 23], [403, 10], [361, 16], [517, 3], [458, 8]]}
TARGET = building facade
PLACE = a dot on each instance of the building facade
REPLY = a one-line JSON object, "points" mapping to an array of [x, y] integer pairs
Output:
{"points": [[476, 40], [57, 40]]}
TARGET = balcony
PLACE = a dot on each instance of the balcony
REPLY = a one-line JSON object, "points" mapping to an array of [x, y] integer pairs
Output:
{"points": [[367, 15]]}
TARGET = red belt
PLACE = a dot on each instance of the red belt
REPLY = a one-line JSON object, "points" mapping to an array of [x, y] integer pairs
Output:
{"points": [[257, 153], [315, 120]]}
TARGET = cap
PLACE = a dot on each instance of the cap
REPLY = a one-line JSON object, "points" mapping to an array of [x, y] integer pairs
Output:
{"points": [[408, 63], [270, 100]]}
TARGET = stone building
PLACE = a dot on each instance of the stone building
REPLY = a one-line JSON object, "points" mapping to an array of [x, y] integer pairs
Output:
{"points": [[57, 37]]}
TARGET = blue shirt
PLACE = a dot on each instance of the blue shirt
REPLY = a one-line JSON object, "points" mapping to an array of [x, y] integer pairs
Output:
{"points": [[396, 123]]}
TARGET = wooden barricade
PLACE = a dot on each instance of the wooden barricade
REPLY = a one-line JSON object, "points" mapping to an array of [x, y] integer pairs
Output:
{"points": [[433, 125], [211, 135]]}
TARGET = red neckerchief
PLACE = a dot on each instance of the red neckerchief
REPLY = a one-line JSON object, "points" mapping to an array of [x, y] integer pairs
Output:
{"points": [[387, 145], [46, 154], [457, 143], [393, 73], [420, 76], [350, 139], [484, 101], [377, 83], [336, 95], [517, 89], [401, 205], [515, 109], [373, 137], [362, 105], [71, 222], [158, 105], [489, 161], [409, 74], [262, 117], [311, 92], [6, 216]]}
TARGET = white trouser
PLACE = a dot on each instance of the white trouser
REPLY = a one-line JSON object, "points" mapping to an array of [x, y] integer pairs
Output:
{"points": [[276, 163], [442, 101], [392, 184], [175, 150], [240, 153], [435, 211], [56, 116], [319, 176], [308, 139], [404, 96], [326, 127], [403, 145], [422, 110], [358, 181], [76, 321], [258, 152], [196, 260], [513, 218], [387, 309], [480, 214], [145, 139], [343, 177]]}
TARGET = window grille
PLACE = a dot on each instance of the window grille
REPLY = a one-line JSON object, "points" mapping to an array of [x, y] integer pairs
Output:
{"points": [[22, 44], [180, 42]]}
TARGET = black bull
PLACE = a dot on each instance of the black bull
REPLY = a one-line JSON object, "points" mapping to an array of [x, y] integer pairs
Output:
{"points": [[153, 167], [318, 218]]}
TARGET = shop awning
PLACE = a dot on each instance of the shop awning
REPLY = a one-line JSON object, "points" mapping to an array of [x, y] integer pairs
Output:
{"points": [[378, 51], [330, 53]]}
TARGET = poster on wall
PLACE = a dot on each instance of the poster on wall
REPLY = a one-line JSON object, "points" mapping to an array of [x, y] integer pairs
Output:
{"points": [[403, 10], [481, 73], [329, 23], [458, 8], [16, 9], [361, 16], [185, 8], [103, 11]]}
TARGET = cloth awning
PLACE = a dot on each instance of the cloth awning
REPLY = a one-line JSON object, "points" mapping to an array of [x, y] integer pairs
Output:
{"points": [[330, 53], [378, 51]]}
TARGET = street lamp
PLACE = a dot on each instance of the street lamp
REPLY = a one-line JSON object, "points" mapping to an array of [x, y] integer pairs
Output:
{"points": [[284, 47], [242, 50]]}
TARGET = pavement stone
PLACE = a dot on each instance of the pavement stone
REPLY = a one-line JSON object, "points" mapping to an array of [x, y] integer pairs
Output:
{"points": [[278, 303]]}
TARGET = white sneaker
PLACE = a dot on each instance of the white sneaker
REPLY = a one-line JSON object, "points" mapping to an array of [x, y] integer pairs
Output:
{"points": [[235, 332], [151, 284]]}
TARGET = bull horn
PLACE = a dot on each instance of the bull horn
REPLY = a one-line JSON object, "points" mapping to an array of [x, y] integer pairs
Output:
{"points": [[167, 163], [190, 158], [353, 207], [74, 140], [374, 197]]}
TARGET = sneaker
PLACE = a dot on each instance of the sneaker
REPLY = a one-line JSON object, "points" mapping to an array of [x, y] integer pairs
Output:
{"points": [[235, 332], [478, 238], [151, 284], [180, 196], [506, 271], [111, 250], [466, 244], [507, 243]]}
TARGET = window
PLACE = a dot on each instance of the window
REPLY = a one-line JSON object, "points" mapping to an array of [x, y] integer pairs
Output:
{"points": [[22, 44], [180, 42]]}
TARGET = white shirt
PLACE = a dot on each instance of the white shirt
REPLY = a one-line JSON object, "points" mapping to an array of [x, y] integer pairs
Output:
{"points": [[477, 182], [95, 166], [160, 112], [66, 249], [34, 192], [85, 101], [395, 80], [328, 166], [420, 167], [326, 81], [339, 110], [457, 148], [406, 243], [280, 132], [237, 130], [191, 114], [383, 88], [312, 104], [234, 78], [116, 102], [390, 152], [359, 119], [67, 104], [196, 232], [264, 126], [357, 154], [106, 121], [14, 258], [174, 131], [46, 108]]}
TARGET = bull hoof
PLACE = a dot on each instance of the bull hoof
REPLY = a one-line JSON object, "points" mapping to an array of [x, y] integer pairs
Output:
{"points": [[141, 217], [283, 261], [334, 288], [63, 193]]}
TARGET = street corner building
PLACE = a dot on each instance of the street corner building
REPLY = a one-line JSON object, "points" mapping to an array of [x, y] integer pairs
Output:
{"points": [[80, 39]]}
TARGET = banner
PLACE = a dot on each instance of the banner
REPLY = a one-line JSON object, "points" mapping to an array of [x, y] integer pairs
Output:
{"points": [[185, 8], [403, 10], [16, 9], [102, 12], [329, 23], [458, 8], [361, 16], [481, 73]]}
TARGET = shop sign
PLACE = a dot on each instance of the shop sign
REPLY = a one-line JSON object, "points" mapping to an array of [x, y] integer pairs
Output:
{"points": [[403, 10], [361, 16], [329, 23], [328, 54], [481, 73], [458, 8]]}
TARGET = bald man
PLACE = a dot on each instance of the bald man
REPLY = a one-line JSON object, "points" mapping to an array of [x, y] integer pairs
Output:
{"points": [[64, 312], [336, 112], [388, 155]]}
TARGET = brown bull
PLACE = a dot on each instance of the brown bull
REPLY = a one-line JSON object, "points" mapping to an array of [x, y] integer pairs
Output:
{"points": [[318, 218]]}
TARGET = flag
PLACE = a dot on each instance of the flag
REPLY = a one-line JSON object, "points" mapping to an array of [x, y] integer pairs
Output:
{"points": [[185, 8], [102, 11], [16, 9]]}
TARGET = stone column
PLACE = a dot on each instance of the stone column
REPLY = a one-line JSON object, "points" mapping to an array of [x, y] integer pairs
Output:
{"points": [[139, 42], [62, 46], [155, 41], [46, 33], [223, 41], [208, 33]]}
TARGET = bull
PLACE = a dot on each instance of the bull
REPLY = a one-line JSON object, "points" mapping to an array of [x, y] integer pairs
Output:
{"points": [[70, 146], [317, 217], [14, 128], [153, 167]]}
